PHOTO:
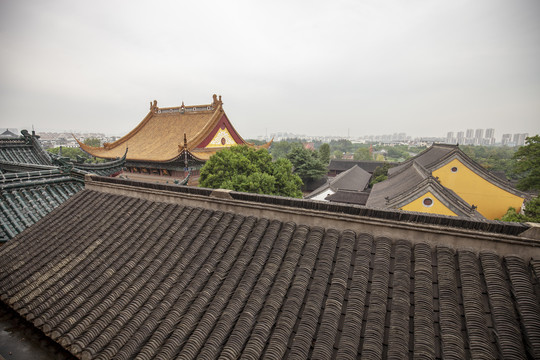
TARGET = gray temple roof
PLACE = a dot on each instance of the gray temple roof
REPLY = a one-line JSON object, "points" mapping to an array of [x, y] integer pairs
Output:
{"points": [[354, 179], [115, 273], [33, 182]]}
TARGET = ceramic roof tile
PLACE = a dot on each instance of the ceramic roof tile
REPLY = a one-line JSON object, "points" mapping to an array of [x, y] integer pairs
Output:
{"points": [[114, 276]]}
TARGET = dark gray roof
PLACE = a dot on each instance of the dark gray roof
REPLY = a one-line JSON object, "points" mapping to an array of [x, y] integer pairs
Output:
{"points": [[27, 197], [409, 176], [24, 149], [349, 197], [354, 179], [427, 157], [342, 165], [117, 276], [8, 134]]}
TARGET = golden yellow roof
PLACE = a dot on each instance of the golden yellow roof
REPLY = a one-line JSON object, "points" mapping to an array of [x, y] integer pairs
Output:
{"points": [[160, 136]]}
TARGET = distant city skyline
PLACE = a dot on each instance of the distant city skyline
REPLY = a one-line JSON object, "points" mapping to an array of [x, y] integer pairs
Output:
{"points": [[351, 67], [459, 137]]}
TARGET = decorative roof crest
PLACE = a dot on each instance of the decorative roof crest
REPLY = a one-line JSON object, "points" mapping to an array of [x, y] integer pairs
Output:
{"points": [[216, 101], [153, 107]]}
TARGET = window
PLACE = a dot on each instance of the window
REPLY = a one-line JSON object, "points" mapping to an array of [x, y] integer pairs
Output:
{"points": [[454, 169], [427, 202]]}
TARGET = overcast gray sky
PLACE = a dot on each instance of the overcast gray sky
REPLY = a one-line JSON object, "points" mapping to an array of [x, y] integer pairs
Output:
{"points": [[423, 67]]}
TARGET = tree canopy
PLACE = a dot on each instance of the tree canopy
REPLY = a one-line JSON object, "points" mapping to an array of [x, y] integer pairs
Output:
{"points": [[92, 141], [362, 154], [530, 213], [324, 153], [69, 152], [527, 164], [280, 149], [307, 163], [241, 168]]}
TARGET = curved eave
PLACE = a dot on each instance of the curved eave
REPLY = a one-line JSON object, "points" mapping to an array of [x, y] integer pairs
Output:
{"points": [[102, 166], [264, 146]]}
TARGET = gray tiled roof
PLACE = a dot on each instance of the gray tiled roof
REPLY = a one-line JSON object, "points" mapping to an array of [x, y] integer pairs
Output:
{"points": [[342, 165], [427, 157], [409, 176], [27, 197], [117, 276], [354, 179], [349, 197], [31, 186], [25, 149]]}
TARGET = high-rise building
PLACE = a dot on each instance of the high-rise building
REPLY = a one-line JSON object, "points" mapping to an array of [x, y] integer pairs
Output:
{"points": [[478, 136], [519, 139], [469, 137], [461, 137], [450, 137], [489, 138], [506, 139]]}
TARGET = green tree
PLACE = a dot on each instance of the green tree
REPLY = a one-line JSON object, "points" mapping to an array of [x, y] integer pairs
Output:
{"points": [[380, 174], [337, 154], [95, 142], [362, 154], [342, 145], [324, 153], [306, 163], [531, 212], [527, 164], [241, 168], [71, 153], [280, 149]]}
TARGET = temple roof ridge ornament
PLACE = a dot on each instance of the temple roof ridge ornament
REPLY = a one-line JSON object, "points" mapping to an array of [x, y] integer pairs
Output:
{"points": [[153, 107]]}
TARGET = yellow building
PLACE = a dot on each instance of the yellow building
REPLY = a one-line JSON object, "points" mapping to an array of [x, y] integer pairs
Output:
{"points": [[413, 188], [454, 171]]}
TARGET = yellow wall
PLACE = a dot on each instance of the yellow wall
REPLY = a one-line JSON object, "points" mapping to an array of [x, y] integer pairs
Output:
{"points": [[491, 200], [437, 207], [221, 134]]}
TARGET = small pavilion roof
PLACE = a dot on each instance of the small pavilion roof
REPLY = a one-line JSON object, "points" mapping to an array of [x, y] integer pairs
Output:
{"points": [[8, 134]]}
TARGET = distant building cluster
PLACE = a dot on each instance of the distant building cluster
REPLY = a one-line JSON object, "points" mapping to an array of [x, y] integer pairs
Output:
{"points": [[55, 139], [386, 139], [484, 137]]}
